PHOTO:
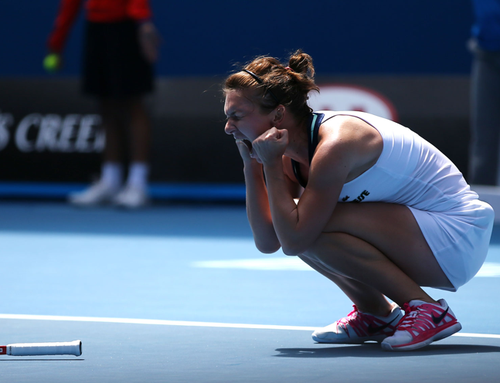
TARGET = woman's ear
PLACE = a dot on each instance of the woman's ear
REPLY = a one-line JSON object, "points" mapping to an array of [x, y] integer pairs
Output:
{"points": [[279, 114]]}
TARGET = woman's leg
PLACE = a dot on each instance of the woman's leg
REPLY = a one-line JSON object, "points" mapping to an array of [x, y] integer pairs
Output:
{"points": [[373, 250], [380, 246], [366, 298], [373, 319]]}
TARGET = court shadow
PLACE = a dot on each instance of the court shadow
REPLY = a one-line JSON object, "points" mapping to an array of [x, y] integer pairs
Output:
{"points": [[374, 351]]}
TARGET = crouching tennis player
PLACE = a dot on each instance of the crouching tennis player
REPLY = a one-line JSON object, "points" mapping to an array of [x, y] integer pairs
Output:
{"points": [[380, 212]]}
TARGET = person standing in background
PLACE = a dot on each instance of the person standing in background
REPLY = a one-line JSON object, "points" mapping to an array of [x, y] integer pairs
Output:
{"points": [[120, 46], [485, 94]]}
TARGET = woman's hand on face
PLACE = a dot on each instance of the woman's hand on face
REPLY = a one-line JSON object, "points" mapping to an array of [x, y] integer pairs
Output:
{"points": [[245, 149], [270, 146]]}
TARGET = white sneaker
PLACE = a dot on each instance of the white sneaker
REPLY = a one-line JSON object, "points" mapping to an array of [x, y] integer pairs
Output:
{"points": [[423, 324], [97, 194], [359, 327], [131, 197]]}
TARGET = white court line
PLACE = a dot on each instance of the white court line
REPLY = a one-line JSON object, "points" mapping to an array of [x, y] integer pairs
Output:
{"points": [[153, 322], [187, 323], [489, 269]]}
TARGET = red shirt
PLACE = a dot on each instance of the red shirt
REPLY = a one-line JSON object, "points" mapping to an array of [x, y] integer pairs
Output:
{"points": [[99, 11]]}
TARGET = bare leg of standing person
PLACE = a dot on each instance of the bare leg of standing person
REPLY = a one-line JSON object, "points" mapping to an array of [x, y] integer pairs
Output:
{"points": [[134, 194], [111, 177]]}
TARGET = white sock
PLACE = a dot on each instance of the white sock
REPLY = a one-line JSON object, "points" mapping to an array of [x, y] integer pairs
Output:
{"points": [[112, 174], [138, 174]]}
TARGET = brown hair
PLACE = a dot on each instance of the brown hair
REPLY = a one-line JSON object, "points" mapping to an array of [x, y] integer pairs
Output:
{"points": [[273, 83]]}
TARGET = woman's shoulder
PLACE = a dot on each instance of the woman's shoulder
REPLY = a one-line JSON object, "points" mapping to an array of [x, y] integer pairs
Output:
{"points": [[347, 129], [349, 141]]}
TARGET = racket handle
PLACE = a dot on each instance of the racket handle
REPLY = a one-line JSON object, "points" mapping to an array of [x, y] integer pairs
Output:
{"points": [[53, 348]]}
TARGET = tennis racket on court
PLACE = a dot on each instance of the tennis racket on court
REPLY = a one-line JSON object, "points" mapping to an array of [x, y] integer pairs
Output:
{"points": [[49, 348]]}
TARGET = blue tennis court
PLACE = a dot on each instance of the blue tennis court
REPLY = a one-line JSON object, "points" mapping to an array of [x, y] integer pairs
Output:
{"points": [[178, 293]]}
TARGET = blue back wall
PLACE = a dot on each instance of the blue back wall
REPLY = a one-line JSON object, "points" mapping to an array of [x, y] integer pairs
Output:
{"points": [[203, 38]]}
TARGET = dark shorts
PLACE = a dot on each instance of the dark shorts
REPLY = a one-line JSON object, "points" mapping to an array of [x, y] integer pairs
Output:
{"points": [[113, 64]]}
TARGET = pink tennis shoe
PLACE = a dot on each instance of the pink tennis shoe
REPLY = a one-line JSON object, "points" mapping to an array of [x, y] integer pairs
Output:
{"points": [[359, 327], [423, 324]]}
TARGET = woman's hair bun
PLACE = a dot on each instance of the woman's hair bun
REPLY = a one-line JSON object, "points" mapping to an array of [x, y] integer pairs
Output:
{"points": [[302, 63]]}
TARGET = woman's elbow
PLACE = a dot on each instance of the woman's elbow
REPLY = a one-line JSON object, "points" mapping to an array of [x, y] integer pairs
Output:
{"points": [[297, 244], [293, 248], [267, 247]]}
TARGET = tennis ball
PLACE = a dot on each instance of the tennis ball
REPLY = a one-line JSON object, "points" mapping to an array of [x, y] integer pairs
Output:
{"points": [[51, 62]]}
